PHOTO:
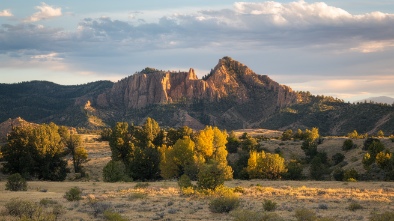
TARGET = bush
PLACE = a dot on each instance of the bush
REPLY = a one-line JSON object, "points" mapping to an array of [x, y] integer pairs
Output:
{"points": [[386, 216], [287, 135], [16, 182], [294, 170], [249, 215], [269, 205], [27, 210], [113, 216], [368, 142], [138, 195], [74, 194], [338, 174], [184, 181], [188, 191], [20, 208], [100, 207], [47, 202], [210, 176], [317, 169], [348, 145], [323, 206], [305, 215], [141, 185], [224, 204], [351, 174], [337, 158], [354, 206], [114, 171]]}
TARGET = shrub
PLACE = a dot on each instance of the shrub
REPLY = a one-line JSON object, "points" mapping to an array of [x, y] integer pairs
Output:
{"points": [[353, 134], [337, 158], [269, 205], [100, 207], [188, 191], [73, 194], [287, 135], [141, 185], [134, 196], [294, 170], [47, 202], [349, 175], [20, 208], [16, 182], [369, 141], [184, 181], [317, 169], [354, 206], [348, 145], [239, 189], [114, 171], [310, 149], [249, 215], [210, 176], [380, 133], [263, 165], [323, 206], [386, 216], [305, 215], [113, 216], [27, 210], [338, 174], [224, 204]]}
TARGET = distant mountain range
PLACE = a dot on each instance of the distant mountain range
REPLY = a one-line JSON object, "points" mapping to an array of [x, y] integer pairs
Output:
{"points": [[381, 99], [231, 96]]}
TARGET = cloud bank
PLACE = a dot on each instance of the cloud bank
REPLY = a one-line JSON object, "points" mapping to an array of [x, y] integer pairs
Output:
{"points": [[309, 39]]}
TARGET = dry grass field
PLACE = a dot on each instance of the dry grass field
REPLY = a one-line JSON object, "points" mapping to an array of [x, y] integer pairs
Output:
{"points": [[164, 201]]}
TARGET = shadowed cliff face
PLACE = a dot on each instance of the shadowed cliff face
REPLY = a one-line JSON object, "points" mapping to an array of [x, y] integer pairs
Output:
{"points": [[228, 79]]}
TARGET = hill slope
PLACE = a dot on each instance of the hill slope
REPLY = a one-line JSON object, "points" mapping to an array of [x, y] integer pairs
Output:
{"points": [[231, 96]]}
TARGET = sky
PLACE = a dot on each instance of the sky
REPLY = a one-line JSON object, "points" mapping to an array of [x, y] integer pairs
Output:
{"points": [[343, 49]]}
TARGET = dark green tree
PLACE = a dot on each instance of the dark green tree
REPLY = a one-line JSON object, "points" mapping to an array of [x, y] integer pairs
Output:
{"points": [[36, 151], [310, 149], [78, 153], [233, 143], [210, 176], [317, 169], [121, 142]]}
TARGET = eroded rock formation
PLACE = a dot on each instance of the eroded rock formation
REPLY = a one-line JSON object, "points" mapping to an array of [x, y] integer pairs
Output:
{"points": [[228, 78]]}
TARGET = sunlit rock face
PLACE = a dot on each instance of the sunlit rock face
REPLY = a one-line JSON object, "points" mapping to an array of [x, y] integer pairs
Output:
{"points": [[228, 79]]}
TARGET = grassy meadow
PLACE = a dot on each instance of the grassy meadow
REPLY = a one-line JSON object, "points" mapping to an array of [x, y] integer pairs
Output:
{"points": [[163, 200]]}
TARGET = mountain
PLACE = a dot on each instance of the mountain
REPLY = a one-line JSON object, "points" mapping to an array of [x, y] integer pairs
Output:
{"points": [[42, 101], [381, 99], [231, 96], [224, 98]]}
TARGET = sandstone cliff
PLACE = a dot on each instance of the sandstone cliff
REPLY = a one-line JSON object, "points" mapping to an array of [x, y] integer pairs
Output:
{"points": [[228, 78]]}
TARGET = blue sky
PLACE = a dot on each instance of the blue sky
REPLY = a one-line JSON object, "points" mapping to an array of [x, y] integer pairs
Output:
{"points": [[343, 49]]}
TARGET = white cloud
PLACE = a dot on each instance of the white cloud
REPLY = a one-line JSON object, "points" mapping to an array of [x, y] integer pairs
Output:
{"points": [[373, 46], [44, 12], [6, 13], [47, 57]]}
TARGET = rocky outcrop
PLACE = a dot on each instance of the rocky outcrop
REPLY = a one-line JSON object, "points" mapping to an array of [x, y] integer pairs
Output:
{"points": [[228, 78], [6, 127]]}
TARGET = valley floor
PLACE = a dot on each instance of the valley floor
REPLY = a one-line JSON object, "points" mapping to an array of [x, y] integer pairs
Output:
{"points": [[163, 200]]}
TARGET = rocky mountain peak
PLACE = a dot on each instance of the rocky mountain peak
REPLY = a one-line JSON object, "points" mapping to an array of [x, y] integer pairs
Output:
{"points": [[229, 78]]}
